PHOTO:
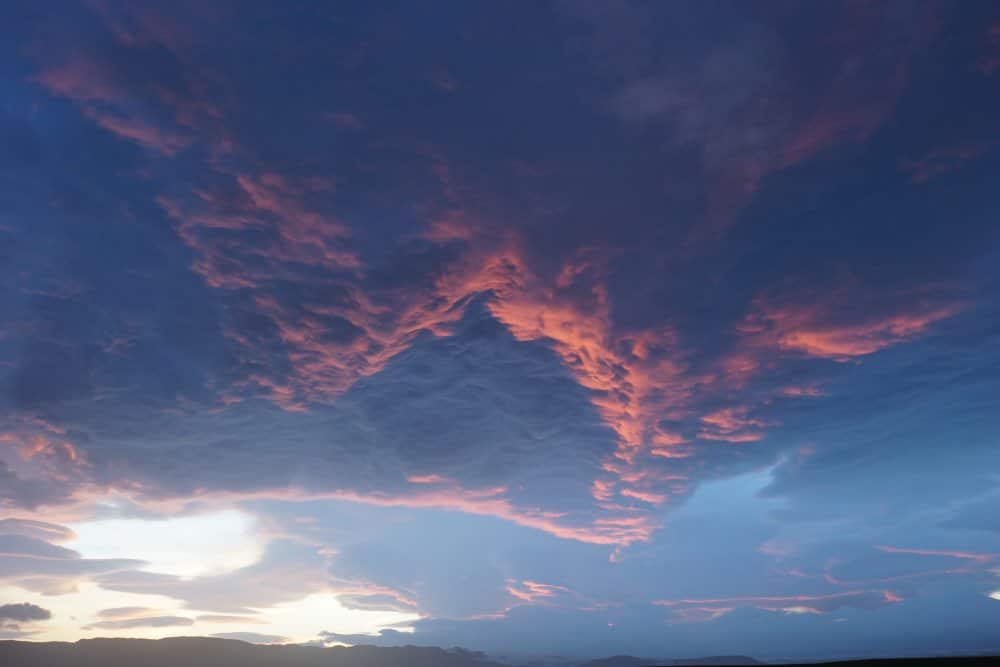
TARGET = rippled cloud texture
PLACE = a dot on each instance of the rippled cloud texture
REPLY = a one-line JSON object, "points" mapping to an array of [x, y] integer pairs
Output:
{"points": [[572, 327]]}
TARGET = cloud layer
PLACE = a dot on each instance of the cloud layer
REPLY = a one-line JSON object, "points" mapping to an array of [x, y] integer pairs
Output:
{"points": [[487, 317]]}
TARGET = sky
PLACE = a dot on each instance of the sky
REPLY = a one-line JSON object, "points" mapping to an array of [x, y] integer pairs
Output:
{"points": [[575, 328]]}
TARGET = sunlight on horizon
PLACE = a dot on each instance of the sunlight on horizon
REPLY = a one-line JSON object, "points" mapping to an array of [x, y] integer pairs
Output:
{"points": [[183, 546]]}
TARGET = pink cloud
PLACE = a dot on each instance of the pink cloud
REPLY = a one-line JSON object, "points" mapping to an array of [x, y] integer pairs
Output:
{"points": [[43, 450], [156, 116], [426, 479], [105, 100], [650, 497], [800, 391], [84, 80], [140, 132], [963, 555]]}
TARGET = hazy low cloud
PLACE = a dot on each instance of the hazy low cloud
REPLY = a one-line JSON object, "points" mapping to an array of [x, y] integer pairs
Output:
{"points": [[38, 565], [252, 637], [141, 622], [13, 618], [23, 612]]}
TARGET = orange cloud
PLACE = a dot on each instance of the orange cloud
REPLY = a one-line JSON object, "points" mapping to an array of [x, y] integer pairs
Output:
{"points": [[533, 592], [813, 329], [609, 530], [732, 425], [635, 377]]}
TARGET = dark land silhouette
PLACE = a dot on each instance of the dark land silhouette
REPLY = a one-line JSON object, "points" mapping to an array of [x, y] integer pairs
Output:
{"points": [[212, 652], [633, 661]]}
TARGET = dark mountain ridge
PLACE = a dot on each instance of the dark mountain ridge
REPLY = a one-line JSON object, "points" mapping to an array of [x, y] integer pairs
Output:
{"points": [[633, 661], [213, 652]]}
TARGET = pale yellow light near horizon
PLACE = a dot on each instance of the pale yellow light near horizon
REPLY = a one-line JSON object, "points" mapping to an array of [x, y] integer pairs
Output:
{"points": [[183, 546], [187, 547]]}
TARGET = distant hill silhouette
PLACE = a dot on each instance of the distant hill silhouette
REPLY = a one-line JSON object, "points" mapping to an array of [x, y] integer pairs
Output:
{"points": [[879, 662], [212, 652]]}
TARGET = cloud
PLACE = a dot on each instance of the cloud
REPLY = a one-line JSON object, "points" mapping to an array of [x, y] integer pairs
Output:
{"points": [[727, 107], [117, 613], [38, 565], [112, 86], [712, 608], [252, 637], [141, 622], [732, 425], [990, 62], [13, 616], [346, 120], [976, 514], [286, 572], [385, 637], [23, 612], [314, 319], [751, 108], [40, 530], [226, 618], [495, 474], [106, 100], [491, 370], [838, 328], [978, 558], [17, 491], [146, 135], [941, 161]]}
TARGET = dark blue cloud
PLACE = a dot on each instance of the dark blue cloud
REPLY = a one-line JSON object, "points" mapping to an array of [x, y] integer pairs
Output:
{"points": [[24, 612]]}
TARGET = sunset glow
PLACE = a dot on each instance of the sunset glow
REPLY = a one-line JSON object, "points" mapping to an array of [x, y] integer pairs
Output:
{"points": [[558, 328]]}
